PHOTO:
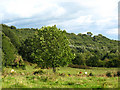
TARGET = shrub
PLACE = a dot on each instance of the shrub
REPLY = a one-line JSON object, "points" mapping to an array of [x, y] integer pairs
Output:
{"points": [[18, 62], [118, 73], [13, 27], [115, 74], [38, 72], [79, 66], [91, 74], [108, 74]]}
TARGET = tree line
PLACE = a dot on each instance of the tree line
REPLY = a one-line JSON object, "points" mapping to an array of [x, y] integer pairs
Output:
{"points": [[53, 47]]}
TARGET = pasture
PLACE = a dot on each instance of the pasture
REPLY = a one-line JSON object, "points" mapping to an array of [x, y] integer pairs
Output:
{"points": [[65, 77]]}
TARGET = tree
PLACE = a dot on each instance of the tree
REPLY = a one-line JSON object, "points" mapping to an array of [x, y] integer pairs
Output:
{"points": [[12, 36], [79, 34], [100, 35], [79, 59], [13, 27], [115, 62], [92, 61], [49, 47], [8, 50], [89, 33]]}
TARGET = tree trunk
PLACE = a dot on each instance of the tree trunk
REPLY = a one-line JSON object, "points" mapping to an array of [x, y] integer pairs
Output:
{"points": [[54, 69]]}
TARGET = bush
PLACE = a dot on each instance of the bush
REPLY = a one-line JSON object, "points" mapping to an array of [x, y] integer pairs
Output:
{"points": [[115, 75], [91, 74], [38, 72], [108, 74], [13, 27], [118, 73], [79, 66]]}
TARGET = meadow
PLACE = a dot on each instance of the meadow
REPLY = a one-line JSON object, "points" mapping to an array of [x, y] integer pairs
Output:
{"points": [[65, 77], [50, 46]]}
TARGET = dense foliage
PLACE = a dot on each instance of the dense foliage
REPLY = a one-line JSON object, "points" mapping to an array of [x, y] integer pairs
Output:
{"points": [[94, 51], [49, 47], [9, 51], [89, 50], [10, 48], [12, 36]]}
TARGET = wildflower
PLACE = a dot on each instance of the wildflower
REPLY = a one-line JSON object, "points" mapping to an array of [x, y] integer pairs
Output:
{"points": [[85, 72], [80, 72], [12, 71]]}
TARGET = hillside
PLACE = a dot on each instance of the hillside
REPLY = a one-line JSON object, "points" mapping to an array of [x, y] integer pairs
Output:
{"points": [[89, 50]]}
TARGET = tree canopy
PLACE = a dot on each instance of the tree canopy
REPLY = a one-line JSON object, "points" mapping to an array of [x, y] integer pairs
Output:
{"points": [[89, 33], [48, 47]]}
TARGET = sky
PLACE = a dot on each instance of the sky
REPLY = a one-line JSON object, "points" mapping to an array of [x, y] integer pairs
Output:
{"points": [[74, 16]]}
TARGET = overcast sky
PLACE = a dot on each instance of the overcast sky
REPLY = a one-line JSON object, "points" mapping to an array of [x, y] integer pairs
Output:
{"points": [[77, 16]]}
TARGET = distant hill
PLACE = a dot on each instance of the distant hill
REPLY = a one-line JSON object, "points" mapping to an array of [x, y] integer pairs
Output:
{"points": [[89, 50]]}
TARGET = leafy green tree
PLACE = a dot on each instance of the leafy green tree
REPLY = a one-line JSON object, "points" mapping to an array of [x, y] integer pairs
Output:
{"points": [[79, 59], [13, 27], [50, 47], [113, 63], [100, 35], [111, 55], [93, 61], [79, 34], [89, 33], [9, 51], [12, 36]]}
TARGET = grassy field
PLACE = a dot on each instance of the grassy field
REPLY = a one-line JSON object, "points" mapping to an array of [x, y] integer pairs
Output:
{"points": [[65, 77]]}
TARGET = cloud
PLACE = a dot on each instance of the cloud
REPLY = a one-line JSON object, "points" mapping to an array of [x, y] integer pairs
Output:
{"points": [[73, 25], [84, 19], [81, 20], [77, 16], [113, 31], [1, 17], [29, 8], [104, 8]]}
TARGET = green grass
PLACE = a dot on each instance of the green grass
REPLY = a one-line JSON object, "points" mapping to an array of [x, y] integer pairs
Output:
{"points": [[26, 78]]}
